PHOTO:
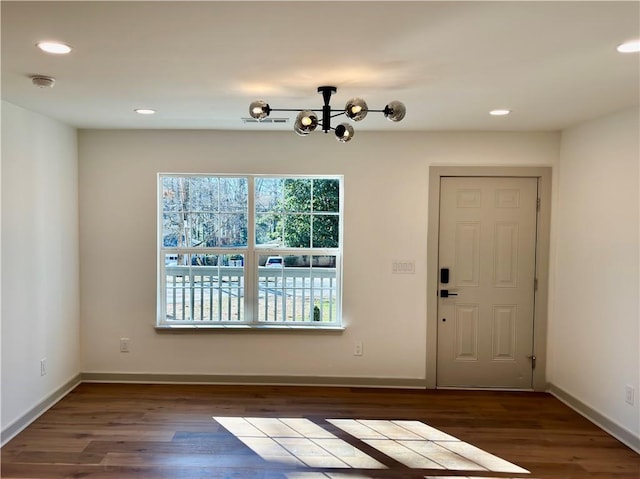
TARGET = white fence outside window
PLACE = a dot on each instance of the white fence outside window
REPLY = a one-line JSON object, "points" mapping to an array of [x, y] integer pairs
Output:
{"points": [[285, 295]]}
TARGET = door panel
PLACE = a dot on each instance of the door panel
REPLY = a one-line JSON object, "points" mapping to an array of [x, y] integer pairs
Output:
{"points": [[467, 254], [504, 332], [466, 332], [487, 239]]}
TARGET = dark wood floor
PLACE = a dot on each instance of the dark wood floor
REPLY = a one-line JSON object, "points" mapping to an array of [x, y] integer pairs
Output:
{"points": [[168, 431]]}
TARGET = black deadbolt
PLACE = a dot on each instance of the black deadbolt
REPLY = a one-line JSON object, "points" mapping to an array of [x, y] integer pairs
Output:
{"points": [[444, 275]]}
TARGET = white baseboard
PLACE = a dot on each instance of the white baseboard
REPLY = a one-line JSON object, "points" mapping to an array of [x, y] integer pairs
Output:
{"points": [[620, 433], [253, 380], [38, 410]]}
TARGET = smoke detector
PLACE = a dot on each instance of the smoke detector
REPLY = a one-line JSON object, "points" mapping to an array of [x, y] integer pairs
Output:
{"points": [[43, 81]]}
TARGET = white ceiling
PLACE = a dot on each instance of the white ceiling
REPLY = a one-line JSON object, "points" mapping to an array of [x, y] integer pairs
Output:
{"points": [[200, 64]]}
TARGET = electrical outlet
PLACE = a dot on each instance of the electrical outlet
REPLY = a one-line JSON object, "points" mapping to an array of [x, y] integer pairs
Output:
{"points": [[124, 345], [43, 367], [357, 349], [629, 395]]}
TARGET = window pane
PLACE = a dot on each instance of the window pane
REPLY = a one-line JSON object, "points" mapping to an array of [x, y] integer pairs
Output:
{"points": [[207, 288], [200, 229], [297, 195], [172, 232], [174, 193], [269, 229], [268, 194], [232, 230], [326, 195], [204, 212], [297, 231], [201, 194], [326, 231], [233, 195]]}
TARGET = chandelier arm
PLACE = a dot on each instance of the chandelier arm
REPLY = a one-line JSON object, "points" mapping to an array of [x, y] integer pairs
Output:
{"points": [[293, 109], [337, 112]]}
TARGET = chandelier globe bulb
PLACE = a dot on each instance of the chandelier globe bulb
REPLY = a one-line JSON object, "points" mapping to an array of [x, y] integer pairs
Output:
{"points": [[259, 109], [344, 132], [395, 111], [306, 122], [356, 109]]}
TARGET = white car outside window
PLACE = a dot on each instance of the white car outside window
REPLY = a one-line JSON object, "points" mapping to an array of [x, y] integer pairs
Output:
{"points": [[274, 262]]}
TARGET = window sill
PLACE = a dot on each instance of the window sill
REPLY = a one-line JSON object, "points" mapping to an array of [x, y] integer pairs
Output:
{"points": [[196, 328]]}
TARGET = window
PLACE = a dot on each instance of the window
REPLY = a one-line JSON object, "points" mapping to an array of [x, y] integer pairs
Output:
{"points": [[249, 251]]}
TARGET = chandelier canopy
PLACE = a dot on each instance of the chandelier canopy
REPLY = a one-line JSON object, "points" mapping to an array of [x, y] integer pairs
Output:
{"points": [[307, 120]]}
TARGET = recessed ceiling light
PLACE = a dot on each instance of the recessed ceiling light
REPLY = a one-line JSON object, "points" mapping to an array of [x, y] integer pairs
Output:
{"points": [[54, 47], [144, 111], [499, 112], [629, 47]]}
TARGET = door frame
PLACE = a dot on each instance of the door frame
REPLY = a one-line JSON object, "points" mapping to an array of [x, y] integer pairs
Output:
{"points": [[543, 175]]}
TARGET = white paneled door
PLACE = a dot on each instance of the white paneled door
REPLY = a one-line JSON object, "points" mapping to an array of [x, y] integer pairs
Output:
{"points": [[487, 245]]}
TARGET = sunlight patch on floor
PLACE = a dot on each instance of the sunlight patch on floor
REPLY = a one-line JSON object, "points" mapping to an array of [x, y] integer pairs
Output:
{"points": [[299, 442]]}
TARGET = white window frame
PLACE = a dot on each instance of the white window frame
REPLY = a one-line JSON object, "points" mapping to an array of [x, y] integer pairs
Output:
{"points": [[251, 269]]}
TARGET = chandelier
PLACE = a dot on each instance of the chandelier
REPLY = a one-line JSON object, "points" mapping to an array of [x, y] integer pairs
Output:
{"points": [[307, 120]]}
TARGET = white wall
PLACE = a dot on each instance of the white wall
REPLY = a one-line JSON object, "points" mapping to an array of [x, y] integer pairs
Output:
{"points": [[386, 182], [594, 335], [40, 270]]}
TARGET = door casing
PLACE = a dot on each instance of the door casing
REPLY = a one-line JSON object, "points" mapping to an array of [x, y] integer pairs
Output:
{"points": [[543, 174]]}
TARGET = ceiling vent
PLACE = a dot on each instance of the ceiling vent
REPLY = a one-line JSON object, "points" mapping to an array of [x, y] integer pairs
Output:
{"points": [[265, 120], [43, 81]]}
